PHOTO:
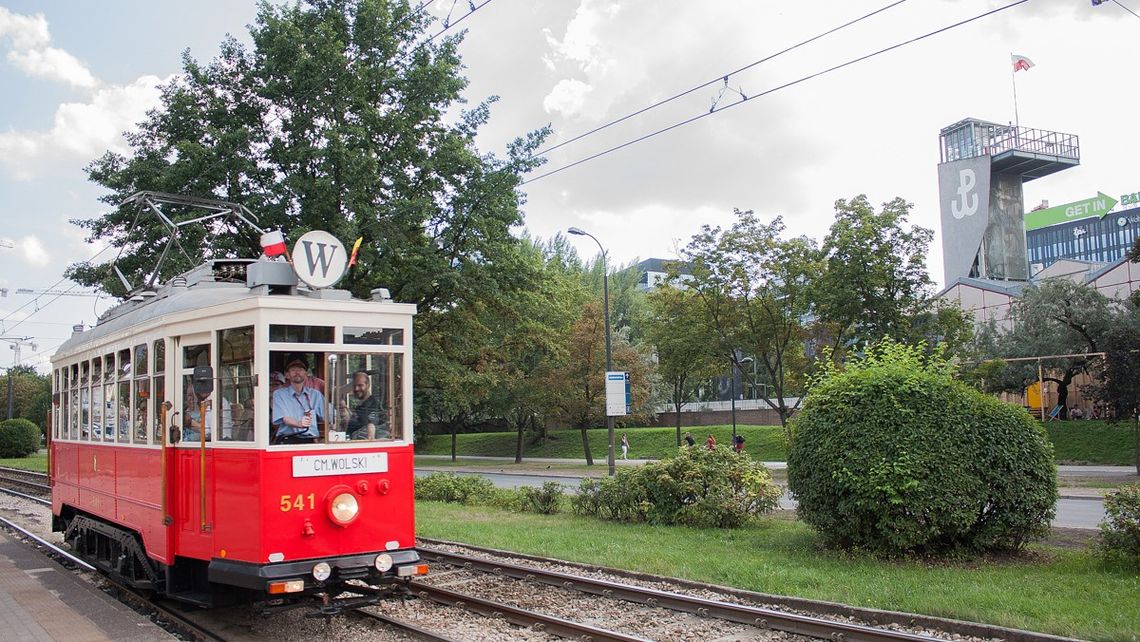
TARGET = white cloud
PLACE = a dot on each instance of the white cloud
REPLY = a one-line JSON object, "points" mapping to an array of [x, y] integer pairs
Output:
{"points": [[30, 51], [53, 63], [26, 32], [567, 97], [33, 250], [81, 130]]}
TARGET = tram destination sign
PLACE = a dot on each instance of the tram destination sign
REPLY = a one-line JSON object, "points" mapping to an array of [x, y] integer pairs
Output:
{"points": [[1096, 206], [339, 464]]}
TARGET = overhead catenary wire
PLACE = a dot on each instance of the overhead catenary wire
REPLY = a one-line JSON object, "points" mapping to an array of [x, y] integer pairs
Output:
{"points": [[786, 85], [721, 78]]}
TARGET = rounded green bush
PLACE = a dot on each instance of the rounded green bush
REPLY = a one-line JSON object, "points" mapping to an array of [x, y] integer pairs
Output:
{"points": [[894, 455], [699, 487], [18, 438], [1120, 530]]}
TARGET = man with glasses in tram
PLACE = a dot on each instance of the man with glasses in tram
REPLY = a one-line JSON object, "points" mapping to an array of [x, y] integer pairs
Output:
{"points": [[297, 408]]}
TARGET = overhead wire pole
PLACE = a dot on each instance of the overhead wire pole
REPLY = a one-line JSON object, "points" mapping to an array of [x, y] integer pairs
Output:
{"points": [[610, 460]]}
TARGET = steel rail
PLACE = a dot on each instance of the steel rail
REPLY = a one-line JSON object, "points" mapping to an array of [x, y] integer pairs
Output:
{"points": [[521, 617], [755, 616], [46, 544], [23, 471], [16, 493], [407, 627], [185, 623]]}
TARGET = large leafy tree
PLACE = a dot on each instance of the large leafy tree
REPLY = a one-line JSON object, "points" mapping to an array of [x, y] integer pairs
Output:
{"points": [[684, 343], [30, 394], [875, 279], [1116, 377], [752, 286], [341, 116], [528, 335], [577, 386], [1053, 317]]}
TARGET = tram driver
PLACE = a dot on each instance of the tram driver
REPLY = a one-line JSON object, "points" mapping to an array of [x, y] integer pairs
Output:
{"points": [[297, 408], [367, 420]]}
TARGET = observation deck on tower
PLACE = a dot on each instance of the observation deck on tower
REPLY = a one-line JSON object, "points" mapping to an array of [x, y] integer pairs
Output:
{"points": [[1020, 151]]}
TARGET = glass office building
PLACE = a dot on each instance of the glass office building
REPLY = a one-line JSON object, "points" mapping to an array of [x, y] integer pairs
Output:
{"points": [[1101, 240]]}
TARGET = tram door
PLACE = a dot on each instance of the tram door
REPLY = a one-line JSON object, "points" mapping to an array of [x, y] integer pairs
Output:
{"points": [[193, 465]]}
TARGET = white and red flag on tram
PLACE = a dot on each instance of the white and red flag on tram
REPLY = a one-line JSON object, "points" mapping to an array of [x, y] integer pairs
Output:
{"points": [[273, 243], [1021, 62]]}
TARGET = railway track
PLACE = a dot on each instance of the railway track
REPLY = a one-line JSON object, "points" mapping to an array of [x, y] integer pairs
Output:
{"points": [[29, 480], [195, 625], [817, 620]]}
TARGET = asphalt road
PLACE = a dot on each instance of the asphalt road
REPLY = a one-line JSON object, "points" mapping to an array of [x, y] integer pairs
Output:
{"points": [[1071, 513]]}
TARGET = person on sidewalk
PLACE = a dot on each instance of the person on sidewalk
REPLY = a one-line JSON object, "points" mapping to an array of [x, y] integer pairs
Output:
{"points": [[710, 443], [624, 446], [689, 441]]}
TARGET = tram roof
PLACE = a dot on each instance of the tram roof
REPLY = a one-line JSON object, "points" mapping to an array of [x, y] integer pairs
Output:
{"points": [[211, 284]]}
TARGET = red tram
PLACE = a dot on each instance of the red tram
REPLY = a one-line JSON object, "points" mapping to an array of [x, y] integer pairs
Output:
{"points": [[168, 470]]}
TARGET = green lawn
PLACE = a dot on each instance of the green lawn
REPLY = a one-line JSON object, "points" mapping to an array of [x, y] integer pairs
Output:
{"points": [[762, 442], [1092, 442], [36, 462], [1051, 590], [1074, 442]]}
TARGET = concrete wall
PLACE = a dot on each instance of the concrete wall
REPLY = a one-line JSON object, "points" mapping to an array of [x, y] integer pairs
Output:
{"points": [[1004, 240]]}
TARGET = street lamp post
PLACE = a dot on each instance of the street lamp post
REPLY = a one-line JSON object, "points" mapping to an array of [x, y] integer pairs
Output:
{"points": [[609, 356]]}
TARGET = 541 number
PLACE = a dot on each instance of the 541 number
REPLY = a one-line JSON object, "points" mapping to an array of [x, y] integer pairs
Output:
{"points": [[297, 502]]}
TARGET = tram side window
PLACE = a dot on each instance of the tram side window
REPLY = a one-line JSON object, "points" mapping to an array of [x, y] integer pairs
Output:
{"points": [[55, 397], [235, 379], [109, 398], [122, 430], [73, 416], [158, 388], [98, 420], [141, 396], [367, 394], [192, 418], [64, 403], [85, 397]]}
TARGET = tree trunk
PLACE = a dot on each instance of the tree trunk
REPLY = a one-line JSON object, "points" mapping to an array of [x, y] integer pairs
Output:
{"points": [[519, 441], [586, 447], [454, 439]]}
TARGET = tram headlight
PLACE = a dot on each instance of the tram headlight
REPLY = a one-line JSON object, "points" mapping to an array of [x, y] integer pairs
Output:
{"points": [[322, 571], [383, 562], [344, 508]]}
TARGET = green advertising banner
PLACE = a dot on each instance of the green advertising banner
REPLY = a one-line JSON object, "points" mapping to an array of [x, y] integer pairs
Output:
{"points": [[1096, 206]]}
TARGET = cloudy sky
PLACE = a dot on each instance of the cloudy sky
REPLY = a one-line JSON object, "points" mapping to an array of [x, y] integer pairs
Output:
{"points": [[76, 74]]}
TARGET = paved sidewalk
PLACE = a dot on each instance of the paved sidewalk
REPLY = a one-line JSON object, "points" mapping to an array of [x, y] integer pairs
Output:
{"points": [[535, 466]]}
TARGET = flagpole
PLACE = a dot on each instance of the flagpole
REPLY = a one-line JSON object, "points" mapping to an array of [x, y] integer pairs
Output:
{"points": [[1013, 79]]}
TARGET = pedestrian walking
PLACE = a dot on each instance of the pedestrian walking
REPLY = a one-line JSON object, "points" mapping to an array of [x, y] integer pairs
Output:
{"points": [[624, 446], [738, 443]]}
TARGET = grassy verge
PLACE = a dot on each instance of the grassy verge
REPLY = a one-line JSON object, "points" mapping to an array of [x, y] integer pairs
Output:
{"points": [[1048, 590], [1074, 442], [36, 462], [1092, 442], [762, 442]]}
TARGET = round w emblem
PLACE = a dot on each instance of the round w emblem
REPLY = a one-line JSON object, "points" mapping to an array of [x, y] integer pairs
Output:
{"points": [[319, 259]]}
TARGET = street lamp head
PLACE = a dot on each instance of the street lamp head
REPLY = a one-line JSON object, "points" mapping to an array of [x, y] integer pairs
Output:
{"points": [[576, 231]]}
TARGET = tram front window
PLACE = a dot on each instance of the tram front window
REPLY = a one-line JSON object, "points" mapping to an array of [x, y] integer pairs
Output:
{"points": [[337, 397]]}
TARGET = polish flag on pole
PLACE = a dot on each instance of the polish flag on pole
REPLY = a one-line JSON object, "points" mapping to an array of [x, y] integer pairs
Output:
{"points": [[1021, 62], [273, 243]]}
